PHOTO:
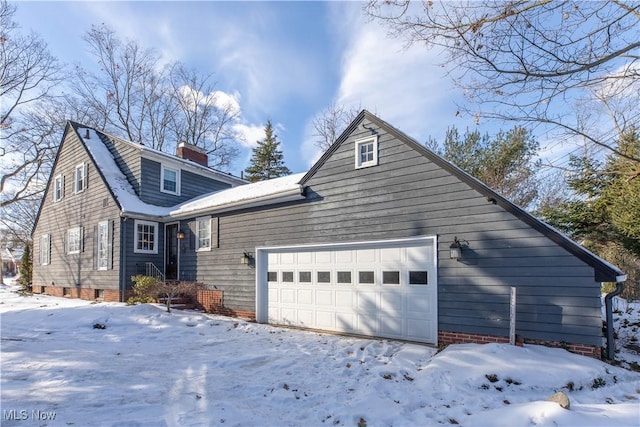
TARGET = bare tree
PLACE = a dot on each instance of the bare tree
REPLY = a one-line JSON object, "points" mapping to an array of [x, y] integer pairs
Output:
{"points": [[127, 96], [28, 76], [526, 60], [18, 219], [331, 122], [204, 116], [134, 96]]}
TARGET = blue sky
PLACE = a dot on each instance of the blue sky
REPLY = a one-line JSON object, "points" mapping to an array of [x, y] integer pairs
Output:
{"points": [[284, 61]]}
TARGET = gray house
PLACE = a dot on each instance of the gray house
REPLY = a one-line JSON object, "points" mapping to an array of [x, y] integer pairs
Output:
{"points": [[380, 237]]}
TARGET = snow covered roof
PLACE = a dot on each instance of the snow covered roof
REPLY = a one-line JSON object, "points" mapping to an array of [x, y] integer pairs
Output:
{"points": [[257, 194], [161, 156]]}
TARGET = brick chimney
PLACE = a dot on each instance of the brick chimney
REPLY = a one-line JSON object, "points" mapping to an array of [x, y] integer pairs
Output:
{"points": [[191, 152]]}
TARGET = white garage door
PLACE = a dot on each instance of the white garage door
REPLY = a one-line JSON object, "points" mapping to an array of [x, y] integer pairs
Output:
{"points": [[384, 288]]}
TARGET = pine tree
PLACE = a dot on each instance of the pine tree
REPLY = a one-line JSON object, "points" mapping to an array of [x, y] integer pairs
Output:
{"points": [[605, 214], [266, 160], [26, 267], [506, 162]]}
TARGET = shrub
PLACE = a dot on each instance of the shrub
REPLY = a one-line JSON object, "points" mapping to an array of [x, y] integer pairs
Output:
{"points": [[145, 289]]}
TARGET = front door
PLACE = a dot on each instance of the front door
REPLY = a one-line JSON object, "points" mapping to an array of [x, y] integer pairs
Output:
{"points": [[171, 252]]}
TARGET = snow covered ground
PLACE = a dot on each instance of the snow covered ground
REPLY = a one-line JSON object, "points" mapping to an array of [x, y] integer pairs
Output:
{"points": [[151, 368]]}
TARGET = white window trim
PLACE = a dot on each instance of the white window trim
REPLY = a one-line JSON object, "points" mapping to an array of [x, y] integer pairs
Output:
{"points": [[163, 168], [198, 247], [102, 224], [58, 187], [77, 230], [135, 237], [82, 167], [45, 249], [365, 141]]}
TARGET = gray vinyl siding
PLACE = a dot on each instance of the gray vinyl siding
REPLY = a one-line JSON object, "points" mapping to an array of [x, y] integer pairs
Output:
{"points": [[134, 263], [192, 185], [85, 209], [407, 195]]}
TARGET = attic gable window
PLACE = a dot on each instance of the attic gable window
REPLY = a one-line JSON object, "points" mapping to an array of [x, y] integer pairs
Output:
{"points": [[80, 178], [170, 180], [366, 154], [58, 188]]}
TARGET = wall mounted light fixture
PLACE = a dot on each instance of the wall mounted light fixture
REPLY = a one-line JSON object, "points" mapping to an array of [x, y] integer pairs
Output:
{"points": [[246, 258], [455, 249], [180, 235]]}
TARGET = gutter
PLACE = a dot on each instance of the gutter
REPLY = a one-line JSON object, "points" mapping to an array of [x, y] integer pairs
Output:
{"points": [[123, 259], [609, 314]]}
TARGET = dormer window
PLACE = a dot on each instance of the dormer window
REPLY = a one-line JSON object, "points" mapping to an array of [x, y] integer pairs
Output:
{"points": [[170, 180], [366, 152]]}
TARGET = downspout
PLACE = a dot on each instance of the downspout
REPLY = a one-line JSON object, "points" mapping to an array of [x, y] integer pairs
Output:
{"points": [[123, 258], [609, 313]]}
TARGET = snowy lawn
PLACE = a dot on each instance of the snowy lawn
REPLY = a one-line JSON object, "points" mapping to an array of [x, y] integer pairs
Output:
{"points": [[151, 368]]}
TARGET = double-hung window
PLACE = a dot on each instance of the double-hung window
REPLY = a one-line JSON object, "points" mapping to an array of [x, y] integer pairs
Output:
{"points": [[58, 188], [74, 240], [80, 178], [146, 237], [169, 180], [103, 245], [45, 249], [366, 152], [203, 233]]}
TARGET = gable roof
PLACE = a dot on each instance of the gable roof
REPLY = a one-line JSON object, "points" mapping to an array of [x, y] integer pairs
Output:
{"points": [[604, 271], [239, 197]]}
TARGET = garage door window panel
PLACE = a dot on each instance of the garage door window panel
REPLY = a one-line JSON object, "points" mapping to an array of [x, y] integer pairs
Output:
{"points": [[344, 278], [418, 278], [287, 276], [390, 277], [272, 276], [366, 277], [324, 276], [304, 276]]}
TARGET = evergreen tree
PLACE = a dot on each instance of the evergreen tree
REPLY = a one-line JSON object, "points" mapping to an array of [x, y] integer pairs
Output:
{"points": [[605, 215], [26, 267], [266, 160], [506, 162]]}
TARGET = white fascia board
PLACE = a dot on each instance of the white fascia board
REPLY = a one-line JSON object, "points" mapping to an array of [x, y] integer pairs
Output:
{"points": [[621, 278]]}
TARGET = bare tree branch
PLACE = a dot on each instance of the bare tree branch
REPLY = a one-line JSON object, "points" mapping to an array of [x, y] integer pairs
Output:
{"points": [[532, 60]]}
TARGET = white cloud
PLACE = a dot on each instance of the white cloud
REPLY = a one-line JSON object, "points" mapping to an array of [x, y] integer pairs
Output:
{"points": [[223, 100], [251, 134], [404, 86], [309, 150], [268, 72]]}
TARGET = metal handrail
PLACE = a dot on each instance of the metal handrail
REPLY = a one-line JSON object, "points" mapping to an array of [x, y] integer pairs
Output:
{"points": [[153, 271]]}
